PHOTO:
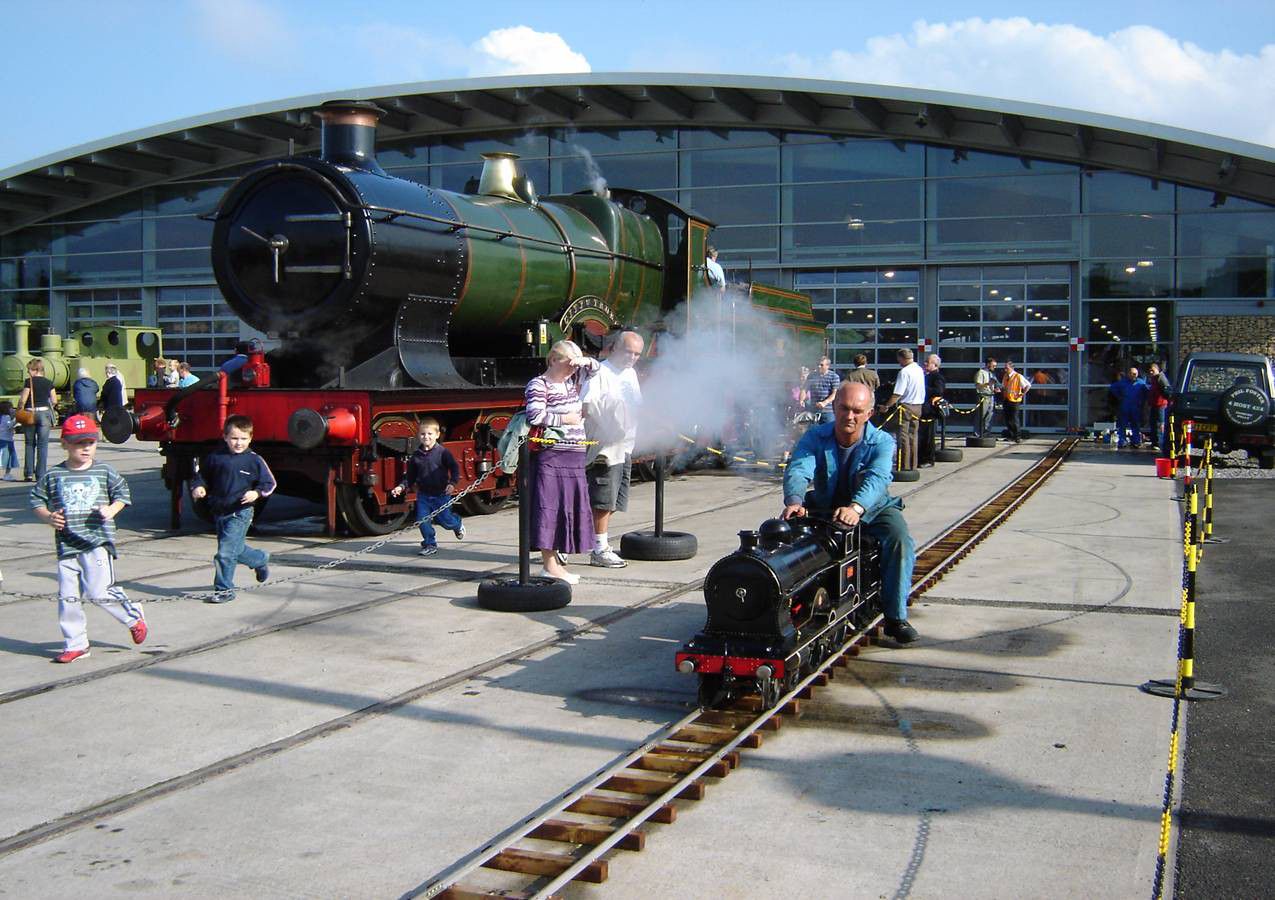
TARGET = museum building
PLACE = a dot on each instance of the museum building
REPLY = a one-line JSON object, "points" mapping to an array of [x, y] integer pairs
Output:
{"points": [[1069, 242]]}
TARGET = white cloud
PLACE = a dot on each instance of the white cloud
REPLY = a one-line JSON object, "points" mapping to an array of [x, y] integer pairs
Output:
{"points": [[1138, 72], [247, 30], [524, 51]]}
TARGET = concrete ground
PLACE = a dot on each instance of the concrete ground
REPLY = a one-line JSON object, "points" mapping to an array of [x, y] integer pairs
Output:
{"points": [[355, 731]]}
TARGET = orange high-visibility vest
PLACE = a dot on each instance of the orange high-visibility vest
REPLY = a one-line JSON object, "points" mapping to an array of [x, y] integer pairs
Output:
{"points": [[1015, 387]]}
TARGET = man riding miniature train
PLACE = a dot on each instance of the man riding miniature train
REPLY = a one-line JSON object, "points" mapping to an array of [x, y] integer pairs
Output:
{"points": [[844, 466]]}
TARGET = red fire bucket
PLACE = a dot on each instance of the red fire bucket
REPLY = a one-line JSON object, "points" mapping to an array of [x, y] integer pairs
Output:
{"points": [[1163, 467]]}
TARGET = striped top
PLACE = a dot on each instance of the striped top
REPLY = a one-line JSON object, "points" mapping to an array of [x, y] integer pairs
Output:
{"points": [[78, 493], [548, 401]]}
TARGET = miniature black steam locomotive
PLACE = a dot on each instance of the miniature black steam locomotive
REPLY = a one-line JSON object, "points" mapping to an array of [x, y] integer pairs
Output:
{"points": [[778, 606]]}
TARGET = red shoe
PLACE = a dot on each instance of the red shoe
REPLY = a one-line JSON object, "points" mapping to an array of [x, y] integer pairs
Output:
{"points": [[71, 655], [138, 631]]}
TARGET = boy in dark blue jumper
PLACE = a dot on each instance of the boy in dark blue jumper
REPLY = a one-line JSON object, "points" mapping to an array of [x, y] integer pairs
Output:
{"points": [[433, 470], [233, 478]]}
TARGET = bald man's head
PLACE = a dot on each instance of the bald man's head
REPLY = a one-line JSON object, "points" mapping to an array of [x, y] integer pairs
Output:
{"points": [[852, 407]]}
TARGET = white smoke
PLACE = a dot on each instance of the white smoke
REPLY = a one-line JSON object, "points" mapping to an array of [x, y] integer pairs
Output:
{"points": [[725, 380]]}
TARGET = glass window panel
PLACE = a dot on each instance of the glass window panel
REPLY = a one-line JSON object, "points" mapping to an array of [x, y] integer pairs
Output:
{"points": [[857, 295], [955, 293], [958, 335], [693, 138], [754, 165], [942, 161], [1052, 419], [899, 276], [854, 315], [862, 335], [1039, 292], [182, 232], [90, 268], [1228, 234], [1049, 313], [1129, 321], [1001, 236], [611, 140], [809, 277], [99, 237], [897, 314], [902, 337], [1195, 198], [191, 198], [1239, 277], [1057, 356], [1117, 192], [470, 150], [1049, 272], [735, 206], [24, 272], [899, 239], [964, 359], [960, 273], [1017, 196], [852, 204], [901, 294], [957, 314], [183, 264], [1124, 278], [641, 172], [1047, 333], [1004, 312], [854, 159], [402, 153], [33, 240], [1004, 273], [823, 315], [817, 295], [1139, 236], [999, 334]]}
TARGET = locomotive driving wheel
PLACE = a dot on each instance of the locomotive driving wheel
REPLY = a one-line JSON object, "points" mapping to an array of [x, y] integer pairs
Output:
{"points": [[362, 512]]}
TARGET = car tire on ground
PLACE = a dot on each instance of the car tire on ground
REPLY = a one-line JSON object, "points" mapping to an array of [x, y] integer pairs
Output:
{"points": [[948, 454], [537, 595], [666, 547]]}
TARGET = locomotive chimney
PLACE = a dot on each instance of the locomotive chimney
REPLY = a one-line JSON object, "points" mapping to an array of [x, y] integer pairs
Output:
{"points": [[348, 136]]}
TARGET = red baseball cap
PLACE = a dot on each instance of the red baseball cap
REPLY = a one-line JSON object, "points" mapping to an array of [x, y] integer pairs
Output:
{"points": [[79, 428]]}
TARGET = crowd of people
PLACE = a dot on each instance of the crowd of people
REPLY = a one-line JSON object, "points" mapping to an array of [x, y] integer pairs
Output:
{"points": [[1137, 400]]}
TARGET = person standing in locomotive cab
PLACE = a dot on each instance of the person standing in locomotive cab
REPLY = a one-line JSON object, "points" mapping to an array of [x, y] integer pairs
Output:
{"points": [[844, 466], [712, 268], [233, 478], [611, 400], [434, 473]]}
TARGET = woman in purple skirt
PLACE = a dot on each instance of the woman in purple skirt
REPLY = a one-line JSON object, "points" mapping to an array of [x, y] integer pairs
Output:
{"points": [[561, 517]]}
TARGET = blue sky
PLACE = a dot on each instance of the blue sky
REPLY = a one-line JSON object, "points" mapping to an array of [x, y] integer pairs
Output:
{"points": [[78, 71]]}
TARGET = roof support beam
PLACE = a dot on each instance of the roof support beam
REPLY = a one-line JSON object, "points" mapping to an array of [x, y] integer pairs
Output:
{"points": [[610, 100], [940, 117], [434, 109], [275, 130], [1226, 169], [554, 104], [48, 186], [870, 111], [396, 119], [87, 171], [490, 104], [671, 99], [1083, 136], [1012, 128], [229, 140], [22, 202], [181, 149], [737, 102], [803, 105], [138, 162], [1155, 155]]}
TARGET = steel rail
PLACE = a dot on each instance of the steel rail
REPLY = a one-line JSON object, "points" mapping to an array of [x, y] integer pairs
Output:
{"points": [[979, 523]]}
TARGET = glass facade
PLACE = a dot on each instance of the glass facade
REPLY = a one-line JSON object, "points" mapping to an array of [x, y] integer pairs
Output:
{"points": [[898, 243]]}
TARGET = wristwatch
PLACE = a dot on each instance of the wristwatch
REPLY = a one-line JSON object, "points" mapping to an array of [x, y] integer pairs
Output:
{"points": [[858, 508]]}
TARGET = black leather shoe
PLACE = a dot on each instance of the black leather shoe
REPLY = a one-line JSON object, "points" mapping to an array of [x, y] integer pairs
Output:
{"points": [[900, 630]]}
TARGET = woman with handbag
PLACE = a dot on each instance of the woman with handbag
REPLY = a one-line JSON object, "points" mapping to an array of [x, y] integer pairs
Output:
{"points": [[561, 515], [35, 413]]}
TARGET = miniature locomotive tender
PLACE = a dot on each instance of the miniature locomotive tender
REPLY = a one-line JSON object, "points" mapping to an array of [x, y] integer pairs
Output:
{"points": [[392, 300], [790, 596]]}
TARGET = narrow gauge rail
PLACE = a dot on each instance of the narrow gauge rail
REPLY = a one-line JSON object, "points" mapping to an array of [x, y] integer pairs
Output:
{"points": [[673, 763]]}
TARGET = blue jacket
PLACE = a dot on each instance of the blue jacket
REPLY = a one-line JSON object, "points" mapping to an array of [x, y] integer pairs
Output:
{"points": [[814, 467], [1135, 397], [228, 476], [85, 393]]}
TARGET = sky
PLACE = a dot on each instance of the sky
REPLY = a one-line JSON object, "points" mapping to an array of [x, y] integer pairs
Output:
{"points": [[76, 71]]}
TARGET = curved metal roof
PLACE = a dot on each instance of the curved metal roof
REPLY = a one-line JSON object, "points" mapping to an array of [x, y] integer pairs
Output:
{"points": [[59, 183]]}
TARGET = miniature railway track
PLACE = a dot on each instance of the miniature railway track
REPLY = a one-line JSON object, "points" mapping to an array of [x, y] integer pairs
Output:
{"points": [[575, 832]]}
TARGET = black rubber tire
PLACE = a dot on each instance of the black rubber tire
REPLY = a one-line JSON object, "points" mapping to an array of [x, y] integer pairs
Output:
{"points": [[670, 545], [906, 475], [537, 595], [987, 443], [359, 520], [948, 454], [1244, 406], [482, 503]]}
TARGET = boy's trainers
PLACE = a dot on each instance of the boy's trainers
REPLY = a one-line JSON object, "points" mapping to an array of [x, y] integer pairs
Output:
{"points": [[429, 551], [71, 655], [138, 630], [262, 572], [459, 532]]}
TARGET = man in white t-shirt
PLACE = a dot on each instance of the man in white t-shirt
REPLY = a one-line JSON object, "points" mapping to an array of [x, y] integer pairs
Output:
{"points": [[986, 384], [612, 397], [909, 394]]}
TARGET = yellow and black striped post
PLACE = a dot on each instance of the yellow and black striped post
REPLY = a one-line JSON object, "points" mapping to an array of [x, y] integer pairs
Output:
{"points": [[1173, 447], [1208, 495], [1184, 686]]}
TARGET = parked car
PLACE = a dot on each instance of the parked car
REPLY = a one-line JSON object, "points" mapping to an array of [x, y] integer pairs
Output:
{"points": [[1228, 397]]}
